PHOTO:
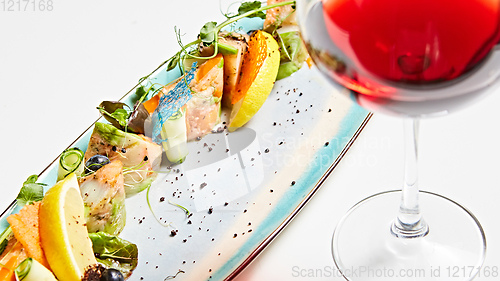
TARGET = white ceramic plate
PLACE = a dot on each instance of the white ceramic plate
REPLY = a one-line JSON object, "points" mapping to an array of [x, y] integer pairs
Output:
{"points": [[244, 187]]}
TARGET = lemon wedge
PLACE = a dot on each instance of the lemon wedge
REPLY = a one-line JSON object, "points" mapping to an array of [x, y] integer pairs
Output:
{"points": [[63, 233], [258, 74]]}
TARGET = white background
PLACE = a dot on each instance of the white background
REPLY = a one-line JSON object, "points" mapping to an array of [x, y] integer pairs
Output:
{"points": [[57, 66]]}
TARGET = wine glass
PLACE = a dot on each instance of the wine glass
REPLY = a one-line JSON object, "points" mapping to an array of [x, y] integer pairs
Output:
{"points": [[412, 59]]}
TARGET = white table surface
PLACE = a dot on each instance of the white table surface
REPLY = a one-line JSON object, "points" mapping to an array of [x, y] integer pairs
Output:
{"points": [[56, 66]]}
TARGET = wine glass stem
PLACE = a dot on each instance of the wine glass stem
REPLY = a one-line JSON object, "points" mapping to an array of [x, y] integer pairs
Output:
{"points": [[409, 222]]}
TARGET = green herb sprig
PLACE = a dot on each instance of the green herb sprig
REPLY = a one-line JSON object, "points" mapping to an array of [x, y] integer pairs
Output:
{"points": [[209, 34]]}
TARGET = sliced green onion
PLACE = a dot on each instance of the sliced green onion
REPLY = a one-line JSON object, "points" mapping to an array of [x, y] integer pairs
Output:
{"points": [[226, 49], [71, 161]]}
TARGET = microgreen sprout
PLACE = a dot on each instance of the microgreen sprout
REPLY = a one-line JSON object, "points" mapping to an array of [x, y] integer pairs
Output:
{"points": [[208, 32], [188, 213], [143, 92], [152, 212], [12, 269], [136, 167], [173, 276]]}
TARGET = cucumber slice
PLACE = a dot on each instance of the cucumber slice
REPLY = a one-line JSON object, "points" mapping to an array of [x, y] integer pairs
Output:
{"points": [[31, 270], [71, 161], [174, 131]]}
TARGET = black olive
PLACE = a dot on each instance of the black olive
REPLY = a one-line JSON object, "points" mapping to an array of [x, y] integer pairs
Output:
{"points": [[96, 162], [111, 274]]}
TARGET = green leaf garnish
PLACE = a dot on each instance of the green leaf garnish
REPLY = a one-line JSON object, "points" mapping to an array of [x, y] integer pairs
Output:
{"points": [[208, 33], [251, 6], [115, 252], [115, 111], [173, 62], [121, 115], [30, 192], [140, 92]]}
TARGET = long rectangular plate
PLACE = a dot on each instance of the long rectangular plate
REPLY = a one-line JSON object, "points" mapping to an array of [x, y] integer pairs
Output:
{"points": [[242, 188]]}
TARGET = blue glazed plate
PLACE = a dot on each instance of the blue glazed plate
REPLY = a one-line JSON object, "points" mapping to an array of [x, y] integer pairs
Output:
{"points": [[242, 188]]}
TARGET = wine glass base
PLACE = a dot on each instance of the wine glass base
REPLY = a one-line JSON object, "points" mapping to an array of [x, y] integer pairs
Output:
{"points": [[364, 248]]}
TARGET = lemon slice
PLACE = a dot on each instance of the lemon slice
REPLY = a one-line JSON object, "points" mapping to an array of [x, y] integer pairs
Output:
{"points": [[63, 233], [259, 70]]}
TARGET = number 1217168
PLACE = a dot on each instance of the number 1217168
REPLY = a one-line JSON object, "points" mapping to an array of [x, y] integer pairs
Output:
{"points": [[26, 5]]}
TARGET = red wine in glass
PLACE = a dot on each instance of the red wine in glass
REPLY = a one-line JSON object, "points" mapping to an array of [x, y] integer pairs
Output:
{"points": [[413, 59]]}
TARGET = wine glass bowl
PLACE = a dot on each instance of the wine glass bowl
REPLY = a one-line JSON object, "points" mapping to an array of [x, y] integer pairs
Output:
{"points": [[410, 59], [401, 87]]}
